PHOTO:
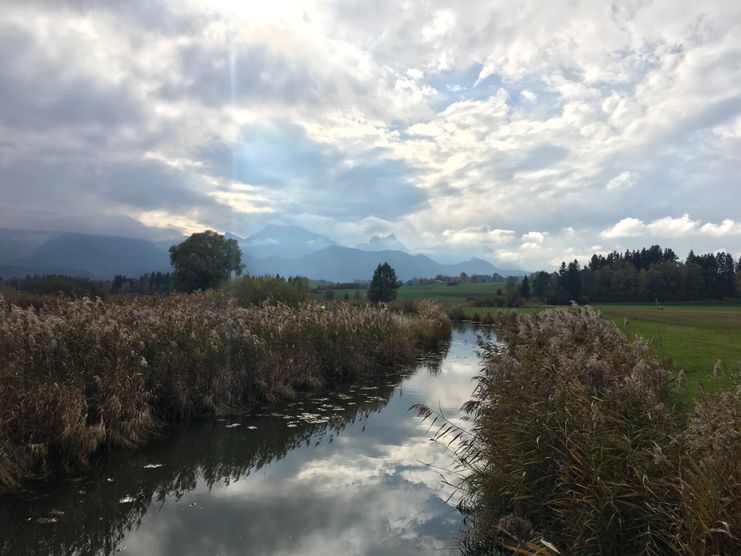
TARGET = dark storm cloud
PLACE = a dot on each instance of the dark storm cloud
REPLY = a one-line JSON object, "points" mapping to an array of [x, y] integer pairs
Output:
{"points": [[40, 93], [319, 178], [61, 189], [151, 185]]}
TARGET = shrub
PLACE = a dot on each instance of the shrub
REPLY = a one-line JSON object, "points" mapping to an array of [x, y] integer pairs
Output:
{"points": [[572, 442], [254, 290]]}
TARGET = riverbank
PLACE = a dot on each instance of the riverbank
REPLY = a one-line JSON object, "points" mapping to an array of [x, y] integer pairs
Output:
{"points": [[688, 336], [575, 447], [347, 471], [78, 377]]}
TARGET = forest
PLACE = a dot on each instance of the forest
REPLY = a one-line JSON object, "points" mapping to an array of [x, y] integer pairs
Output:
{"points": [[652, 274]]}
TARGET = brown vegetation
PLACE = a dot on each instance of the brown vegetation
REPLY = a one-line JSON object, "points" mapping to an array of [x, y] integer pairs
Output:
{"points": [[574, 445], [80, 376]]}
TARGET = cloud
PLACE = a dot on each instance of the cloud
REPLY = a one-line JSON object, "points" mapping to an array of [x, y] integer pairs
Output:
{"points": [[310, 176], [482, 234], [530, 246], [669, 227], [528, 96], [38, 97], [484, 126], [627, 227], [622, 182], [726, 228], [672, 227], [507, 255], [534, 237]]}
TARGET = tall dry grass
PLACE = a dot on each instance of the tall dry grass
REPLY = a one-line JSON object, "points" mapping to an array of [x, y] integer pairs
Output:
{"points": [[80, 376], [573, 445]]}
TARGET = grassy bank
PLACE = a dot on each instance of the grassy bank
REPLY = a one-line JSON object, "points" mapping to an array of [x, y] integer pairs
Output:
{"points": [[574, 447], [693, 335], [437, 292], [80, 376]]}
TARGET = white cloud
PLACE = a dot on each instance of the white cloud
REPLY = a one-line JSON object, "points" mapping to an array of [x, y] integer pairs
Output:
{"points": [[669, 227], [534, 237], [442, 23], [726, 228], [627, 227], [568, 97], [528, 96], [622, 182], [479, 234], [507, 255], [184, 223], [530, 246]]}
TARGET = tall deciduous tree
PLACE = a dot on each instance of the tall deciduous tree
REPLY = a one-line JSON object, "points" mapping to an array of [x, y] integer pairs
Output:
{"points": [[205, 260], [383, 286]]}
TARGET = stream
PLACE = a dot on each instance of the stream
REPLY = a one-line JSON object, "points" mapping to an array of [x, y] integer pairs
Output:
{"points": [[350, 472]]}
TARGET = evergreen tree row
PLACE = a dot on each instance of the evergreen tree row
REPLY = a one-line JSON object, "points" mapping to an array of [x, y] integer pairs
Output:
{"points": [[152, 283], [652, 274]]}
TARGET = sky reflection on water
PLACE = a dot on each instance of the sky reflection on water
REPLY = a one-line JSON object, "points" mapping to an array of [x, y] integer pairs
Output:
{"points": [[365, 482]]}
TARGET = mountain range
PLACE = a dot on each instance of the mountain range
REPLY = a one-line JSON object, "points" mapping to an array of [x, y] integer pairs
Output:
{"points": [[25, 252], [284, 250]]}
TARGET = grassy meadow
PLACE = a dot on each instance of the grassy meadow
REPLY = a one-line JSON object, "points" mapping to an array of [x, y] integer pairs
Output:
{"points": [[442, 292], [693, 336]]}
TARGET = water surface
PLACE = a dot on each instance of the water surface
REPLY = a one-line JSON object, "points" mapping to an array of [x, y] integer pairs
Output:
{"points": [[353, 472]]}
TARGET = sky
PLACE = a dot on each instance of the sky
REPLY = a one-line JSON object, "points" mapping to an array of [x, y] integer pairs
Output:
{"points": [[526, 132]]}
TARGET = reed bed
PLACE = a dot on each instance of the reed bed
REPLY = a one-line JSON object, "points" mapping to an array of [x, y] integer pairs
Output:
{"points": [[80, 376], [574, 447]]}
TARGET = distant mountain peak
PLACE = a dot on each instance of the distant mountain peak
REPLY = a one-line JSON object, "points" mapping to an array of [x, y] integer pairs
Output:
{"points": [[284, 240], [345, 264], [382, 242], [379, 238], [231, 235]]}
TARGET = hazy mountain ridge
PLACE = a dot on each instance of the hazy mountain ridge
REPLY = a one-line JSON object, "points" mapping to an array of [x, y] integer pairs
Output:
{"points": [[91, 256], [288, 242], [269, 251], [345, 264]]}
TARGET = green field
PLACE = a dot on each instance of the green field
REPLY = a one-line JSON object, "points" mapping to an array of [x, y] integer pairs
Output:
{"points": [[460, 292], [437, 292], [693, 336]]}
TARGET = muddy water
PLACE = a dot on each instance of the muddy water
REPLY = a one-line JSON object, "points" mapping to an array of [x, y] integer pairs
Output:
{"points": [[352, 472]]}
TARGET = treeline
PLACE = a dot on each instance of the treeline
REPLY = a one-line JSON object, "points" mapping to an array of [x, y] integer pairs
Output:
{"points": [[146, 284], [462, 278], [54, 284], [652, 274], [247, 289], [356, 285], [75, 287]]}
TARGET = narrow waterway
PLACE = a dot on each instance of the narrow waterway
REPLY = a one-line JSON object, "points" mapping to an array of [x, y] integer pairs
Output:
{"points": [[352, 472]]}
